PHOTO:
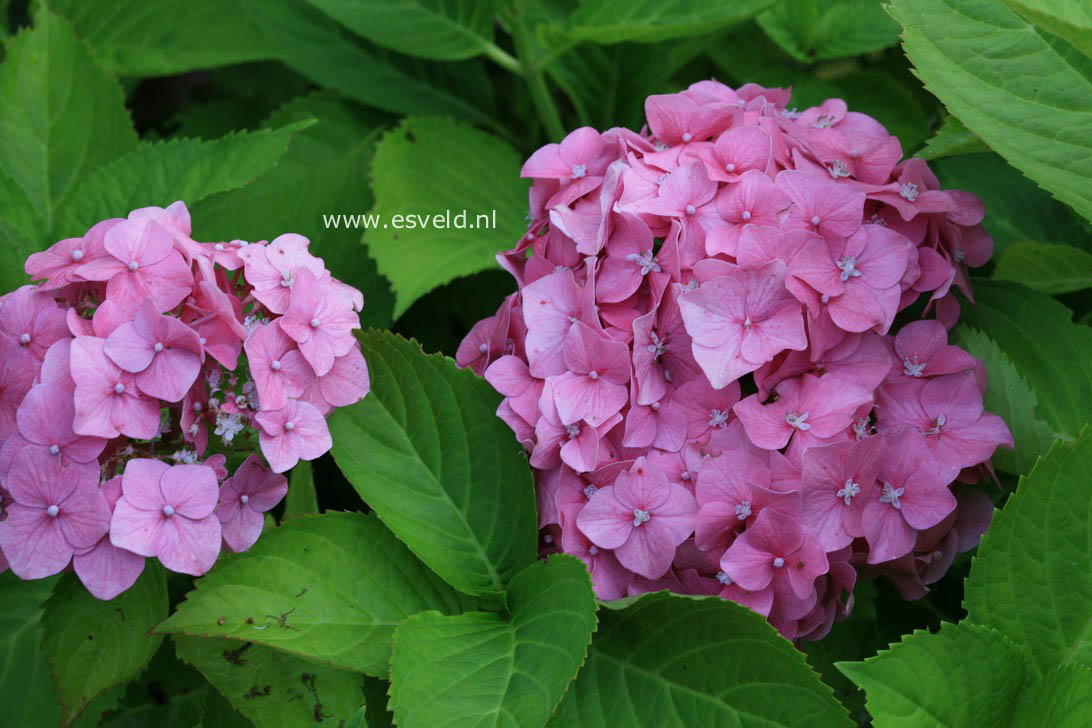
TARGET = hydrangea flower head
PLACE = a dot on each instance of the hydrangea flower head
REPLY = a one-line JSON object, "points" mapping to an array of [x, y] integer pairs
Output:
{"points": [[704, 365], [137, 369]]}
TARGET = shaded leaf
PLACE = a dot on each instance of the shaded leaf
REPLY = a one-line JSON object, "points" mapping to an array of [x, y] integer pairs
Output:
{"points": [[426, 452], [646, 21], [24, 671], [811, 30], [1061, 699], [951, 139], [1046, 267]]}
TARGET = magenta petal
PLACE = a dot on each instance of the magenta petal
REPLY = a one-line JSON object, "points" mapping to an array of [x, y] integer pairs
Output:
{"points": [[106, 570], [134, 529], [170, 375], [605, 521], [648, 550], [747, 566], [191, 490], [242, 532], [84, 517], [188, 546], [33, 543], [128, 348]]}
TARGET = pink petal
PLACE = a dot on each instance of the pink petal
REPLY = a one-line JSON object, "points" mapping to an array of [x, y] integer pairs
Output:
{"points": [[188, 546]]}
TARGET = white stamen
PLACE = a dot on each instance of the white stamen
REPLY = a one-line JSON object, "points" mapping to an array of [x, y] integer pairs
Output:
{"points": [[891, 495], [590, 490], [119, 388], [315, 323], [937, 424], [24, 339], [747, 321], [746, 215], [847, 492], [76, 255], [778, 562], [687, 137], [658, 345], [54, 449], [718, 418], [848, 266], [244, 499], [158, 346], [289, 426], [578, 171], [861, 428], [133, 265], [53, 510], [639, 517], [482, 348], [838, 169], [913, 367], [168, 511], [730, 167], [197, 406], [724, 578], [655, 406], [798, 420], [547, 538], [815, 220], [275, 365], [593, 375], [690, 209], [593, 550], [824, 121], [573, 431], [909, 191], [743, 511], [286, 282], [825, 298], [646, 261]]}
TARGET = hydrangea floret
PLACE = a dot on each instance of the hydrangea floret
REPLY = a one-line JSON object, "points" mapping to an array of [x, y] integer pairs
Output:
{"points": [[138, 367], [703, 364]]}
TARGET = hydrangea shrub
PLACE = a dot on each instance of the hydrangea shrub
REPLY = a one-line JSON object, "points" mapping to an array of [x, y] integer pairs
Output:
{"points": [[137, 368], [703, 363]]}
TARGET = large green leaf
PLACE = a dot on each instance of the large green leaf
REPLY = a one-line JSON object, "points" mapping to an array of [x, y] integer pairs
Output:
{"points": [[24, 671], [301, 497], [1032, 578], [1061, 699], [665, 661], [962, 676], [1026, 93], [427, 453], [313, 44], [811, 30], [445, 30], [61, 116], [1051, 353], [271, 688], [430, 167], [160, 37], [1009, 396], [324, 172], [605, 21], [94, 645], [328, 588], [1016, 209], [1046, 267], [181, 169], [1071, 19], [483, 669]]}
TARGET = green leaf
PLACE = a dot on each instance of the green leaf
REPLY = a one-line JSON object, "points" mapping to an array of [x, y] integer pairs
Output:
{"points": [[330, 588], [437, 169], [271, 688], [180, 169], [887, 99], [216, 712], [667, 661], [1010, 397], [1016, 209], [1069, 19], [61, 116], [964, 675], [1032, 577], [425, 450], [951, 139], [14, 249], [445, 30], [94, 645], [1027, 94], [486, 669], [301, 496], [647, 21], [314, 45], [1061, 699], [324, 172], [24, 672], [377, 714], [1051, 353], [1046, 267], [161, 37], [812, 30]]}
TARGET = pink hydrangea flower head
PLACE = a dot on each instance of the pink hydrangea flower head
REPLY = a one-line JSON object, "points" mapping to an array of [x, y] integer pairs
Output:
{"points": [[167, 512], [244, 499], [296, 431], [278, 367], [272, 269], [319, 320], [163, 353]]}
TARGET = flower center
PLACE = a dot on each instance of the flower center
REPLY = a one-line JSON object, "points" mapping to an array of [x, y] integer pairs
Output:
{"points": [[746, 215], [593, 375], [687, 137], [743, 511], [937, 424], [315, 323], [219, 247], [891, 495], [639, 517], [54, 449], [482, 348], [168, 510], [848, 266], [718, 418], [76, 255], [275, 365], [658, 345], [909, 191], [573, 431], [578, 171], [824, 121], [53, 510], [593, 550], [778, 562], [590, 490], [730, 167], [838, 169], [646, 261], [913, 367], [724, 578], [286, 282], [815, 220], [690, 209], [798, 420], [133, 265], [289, 426], [24, 339], [848, 491], [244, 499], [158, 346], [119, 388]]}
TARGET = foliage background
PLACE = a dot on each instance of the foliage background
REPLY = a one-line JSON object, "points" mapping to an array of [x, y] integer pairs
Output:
{"points": [[263, 115]]}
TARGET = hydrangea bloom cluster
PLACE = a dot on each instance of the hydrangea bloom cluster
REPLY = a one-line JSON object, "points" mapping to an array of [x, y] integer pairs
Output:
{"points": [[699, 361], [133, 370]]}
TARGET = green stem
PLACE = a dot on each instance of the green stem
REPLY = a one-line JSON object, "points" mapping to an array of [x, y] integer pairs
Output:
{"points": [[503, 59], [536, 80]]}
